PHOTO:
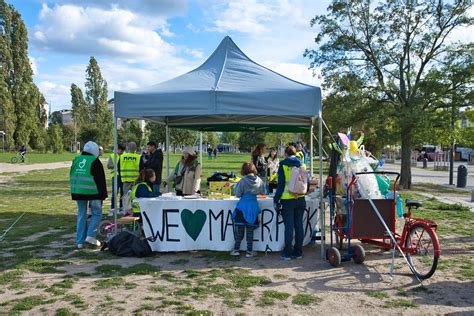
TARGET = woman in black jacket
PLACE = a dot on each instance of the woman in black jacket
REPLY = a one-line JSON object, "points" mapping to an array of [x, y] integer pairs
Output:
{"points": [[258, 159]]}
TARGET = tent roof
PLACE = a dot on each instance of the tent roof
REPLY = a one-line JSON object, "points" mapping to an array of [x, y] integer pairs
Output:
{"points": [[227, 92]]}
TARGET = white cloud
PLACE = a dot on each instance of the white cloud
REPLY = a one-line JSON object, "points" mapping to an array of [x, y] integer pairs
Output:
{"points": [[294, 71], [94, 31], [54, 93], [195, 53], [151, 8]]}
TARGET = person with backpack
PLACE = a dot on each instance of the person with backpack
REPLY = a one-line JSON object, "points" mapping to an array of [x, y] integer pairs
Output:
{"points": [[187, 174], [247, 209], [88, 187], [143, 188], [290, 201]]}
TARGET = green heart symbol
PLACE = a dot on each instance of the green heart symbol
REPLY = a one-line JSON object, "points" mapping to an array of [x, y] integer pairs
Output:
{"points": [[193, 223]]}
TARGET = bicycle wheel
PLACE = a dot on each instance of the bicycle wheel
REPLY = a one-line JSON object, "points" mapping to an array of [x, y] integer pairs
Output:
{"points": [[425, 248], [14, 159]]}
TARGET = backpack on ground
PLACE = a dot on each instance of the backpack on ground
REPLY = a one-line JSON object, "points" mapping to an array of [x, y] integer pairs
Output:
{"points": [[126, 244], [298, 183]]}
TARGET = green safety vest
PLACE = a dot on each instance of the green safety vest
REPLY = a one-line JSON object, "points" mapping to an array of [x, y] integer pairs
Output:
{"points": [[135, 205], [81, 179], [286, 195], [129, 167]]}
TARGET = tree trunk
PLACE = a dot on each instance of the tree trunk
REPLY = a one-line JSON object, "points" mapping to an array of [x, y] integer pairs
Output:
{"points": [[405, 178]]}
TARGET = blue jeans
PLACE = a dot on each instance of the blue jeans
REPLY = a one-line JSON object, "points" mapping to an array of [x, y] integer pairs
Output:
{"points": [[119, 189], [292, 212], [83, 229]]}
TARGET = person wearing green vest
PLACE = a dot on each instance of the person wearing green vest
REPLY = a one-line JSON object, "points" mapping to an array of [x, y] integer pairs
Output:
{"points": [[130, 164], [88, 187], [143, 188], [292, 207], [110, 165]]}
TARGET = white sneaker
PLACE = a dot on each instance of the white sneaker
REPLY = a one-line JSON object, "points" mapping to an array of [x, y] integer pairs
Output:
{"points": [[93, 241], [250, 254], [235, 253], [80, 246]]}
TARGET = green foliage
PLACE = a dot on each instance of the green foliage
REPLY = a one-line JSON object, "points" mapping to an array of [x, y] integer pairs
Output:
{"points": [[231, 138], [391, 75], [210, 138], [305, 299], [22, 115], [55, 136], [92, 114], [248, 140], [130, 132], [178, 137]]}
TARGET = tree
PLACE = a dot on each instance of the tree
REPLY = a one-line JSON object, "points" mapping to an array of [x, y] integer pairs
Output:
{"points": [[21, 107], [248, 140], [178, 136], [56, 118], [231, 138], [92, 113], [55, 134], [130, 132], [391, 57], [210, 138], [81, 110], [96, 97]]}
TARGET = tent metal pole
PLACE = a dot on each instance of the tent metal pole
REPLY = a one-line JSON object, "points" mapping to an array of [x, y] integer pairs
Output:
{"points": [[167, 148], [311, 164], [321, 202], [200, 147], [115, 174]]}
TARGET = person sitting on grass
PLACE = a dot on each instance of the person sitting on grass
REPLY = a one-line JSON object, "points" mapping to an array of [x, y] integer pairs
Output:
{"points": [[143, 188], [247, 210]]}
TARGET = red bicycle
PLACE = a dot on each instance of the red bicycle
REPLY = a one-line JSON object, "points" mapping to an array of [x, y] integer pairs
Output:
{"points": [[418, 240]]}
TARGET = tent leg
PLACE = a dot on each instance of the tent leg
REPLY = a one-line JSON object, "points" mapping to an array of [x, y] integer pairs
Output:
{"points": [[167, 148], [321, 187], [311, 164], [115, 176], [200, 147]]}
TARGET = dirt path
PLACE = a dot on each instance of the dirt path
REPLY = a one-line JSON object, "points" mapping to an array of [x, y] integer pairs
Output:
{"points": [[8, 167]]}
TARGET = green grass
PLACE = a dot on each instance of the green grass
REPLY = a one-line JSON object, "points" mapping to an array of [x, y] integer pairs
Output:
{"points": [[305, 299], [400, 303], [30, 302], [377, 294], [114, 283], [11, 276], [268, 297], [64, 312]]}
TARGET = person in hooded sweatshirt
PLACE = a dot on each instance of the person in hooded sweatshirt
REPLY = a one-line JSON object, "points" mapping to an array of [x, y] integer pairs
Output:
{"points": [[88, 187], [292, 206], [247, 210]]}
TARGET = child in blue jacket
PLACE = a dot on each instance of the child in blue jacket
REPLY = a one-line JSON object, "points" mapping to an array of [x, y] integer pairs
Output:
{"points": [[247, 210]]}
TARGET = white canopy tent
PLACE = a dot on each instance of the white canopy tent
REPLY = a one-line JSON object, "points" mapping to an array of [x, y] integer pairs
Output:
{"points": [[228, 92]]}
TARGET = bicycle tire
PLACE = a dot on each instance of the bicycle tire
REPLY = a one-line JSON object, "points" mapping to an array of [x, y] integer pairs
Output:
{"points": [[14, 159], [427, 248]]}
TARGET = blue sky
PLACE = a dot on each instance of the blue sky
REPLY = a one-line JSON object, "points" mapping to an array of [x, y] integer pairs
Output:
{"points": [[140, 43]]}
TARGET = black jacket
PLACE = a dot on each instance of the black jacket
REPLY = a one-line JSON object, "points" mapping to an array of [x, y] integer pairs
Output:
{"points": [[156, 163], [97, 171], [261, 164]]}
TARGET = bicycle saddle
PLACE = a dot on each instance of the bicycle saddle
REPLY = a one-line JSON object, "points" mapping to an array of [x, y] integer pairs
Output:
{"points": [[411, 203]]}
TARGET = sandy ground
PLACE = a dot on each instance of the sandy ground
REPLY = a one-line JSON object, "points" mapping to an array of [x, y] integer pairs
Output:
{"points": [[8, 167], [343, 290]]}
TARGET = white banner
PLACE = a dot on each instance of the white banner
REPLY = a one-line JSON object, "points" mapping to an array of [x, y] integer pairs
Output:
{"points": [[203, 224]]}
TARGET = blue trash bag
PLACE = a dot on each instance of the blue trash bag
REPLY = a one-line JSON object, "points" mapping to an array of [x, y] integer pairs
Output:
{"points": [[399, 203]]}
